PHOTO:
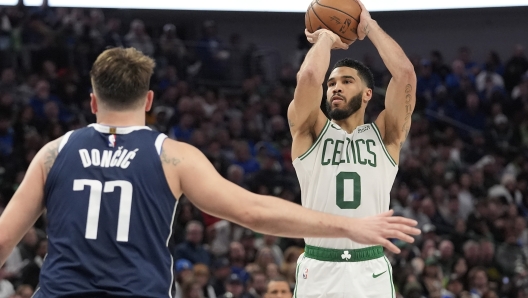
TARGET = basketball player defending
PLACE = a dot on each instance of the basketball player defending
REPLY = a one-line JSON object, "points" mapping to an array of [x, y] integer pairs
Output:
{"points": [[346, 167], [110, 191]]}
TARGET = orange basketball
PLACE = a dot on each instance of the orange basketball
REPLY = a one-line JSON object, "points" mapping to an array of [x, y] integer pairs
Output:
{"points": [[338, 16]]}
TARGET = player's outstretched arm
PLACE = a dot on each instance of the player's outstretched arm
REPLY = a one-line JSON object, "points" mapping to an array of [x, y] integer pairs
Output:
{"points": [[400, 98], [211, 193], [27, 204], [305, 117]]}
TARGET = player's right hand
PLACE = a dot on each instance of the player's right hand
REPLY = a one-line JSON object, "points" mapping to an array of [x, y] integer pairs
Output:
{"points": [[337, 43], [364, 20], [376, 230]]}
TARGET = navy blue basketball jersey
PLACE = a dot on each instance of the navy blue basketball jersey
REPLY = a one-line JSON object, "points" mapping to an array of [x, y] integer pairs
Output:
{"points": [[110, 212]]}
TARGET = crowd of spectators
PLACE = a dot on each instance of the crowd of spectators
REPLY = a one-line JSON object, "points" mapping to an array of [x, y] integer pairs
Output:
{"points": [[463, 173]]}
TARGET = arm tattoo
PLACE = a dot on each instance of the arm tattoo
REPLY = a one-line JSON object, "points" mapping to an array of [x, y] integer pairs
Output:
{"points": [[408, 111], [51, 154], [290, 123], [366, 30], [169, 160]]}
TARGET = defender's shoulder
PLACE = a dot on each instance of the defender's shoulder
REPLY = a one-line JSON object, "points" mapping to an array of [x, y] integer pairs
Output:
{"points": [[49, 152]]}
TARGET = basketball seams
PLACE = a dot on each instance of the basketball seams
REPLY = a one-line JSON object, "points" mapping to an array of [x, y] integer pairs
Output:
{"points": [[328, 27], [318, 25], [317, 1], [314, 15], [309, 19]]}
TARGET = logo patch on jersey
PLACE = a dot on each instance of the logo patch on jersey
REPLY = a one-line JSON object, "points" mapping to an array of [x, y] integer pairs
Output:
{"points": [[305, 273], [363, 129], [111, 141], [378, 275], [346, 256]]}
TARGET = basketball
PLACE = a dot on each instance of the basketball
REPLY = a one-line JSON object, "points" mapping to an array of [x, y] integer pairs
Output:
{"points": [[338, 16]]}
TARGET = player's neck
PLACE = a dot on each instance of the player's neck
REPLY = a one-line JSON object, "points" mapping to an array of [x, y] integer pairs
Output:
{"points": [[129, 118], [350, 123]]}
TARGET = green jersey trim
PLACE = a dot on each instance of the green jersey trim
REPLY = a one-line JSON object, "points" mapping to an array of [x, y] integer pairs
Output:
{"points": [[325, 128], [378, 134]]}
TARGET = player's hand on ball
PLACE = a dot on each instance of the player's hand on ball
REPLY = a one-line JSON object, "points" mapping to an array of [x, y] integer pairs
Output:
{"points": [[313, 37], [376, 229], [364, 19]]}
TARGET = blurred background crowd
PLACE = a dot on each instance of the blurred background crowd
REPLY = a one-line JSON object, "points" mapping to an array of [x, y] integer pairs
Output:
{"points": [[463, 172]]}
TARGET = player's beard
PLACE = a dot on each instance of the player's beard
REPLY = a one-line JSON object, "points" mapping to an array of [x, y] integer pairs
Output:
{"points": [[353, 104]]}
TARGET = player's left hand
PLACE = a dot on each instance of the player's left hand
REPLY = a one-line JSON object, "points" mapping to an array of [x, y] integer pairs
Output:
{"points": [[313, 37], [378, 229], [364, 20]]}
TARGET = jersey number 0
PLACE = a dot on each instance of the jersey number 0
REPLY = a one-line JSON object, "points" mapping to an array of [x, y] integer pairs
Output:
{"points": [[94, 205], [340, 190]]}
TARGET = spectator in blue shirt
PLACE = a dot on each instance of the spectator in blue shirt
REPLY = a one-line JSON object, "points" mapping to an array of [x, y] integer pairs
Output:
{"points": [[43, 96], [192, 248], [453, 80], [472, 116], [244, 159], [428, 81]]}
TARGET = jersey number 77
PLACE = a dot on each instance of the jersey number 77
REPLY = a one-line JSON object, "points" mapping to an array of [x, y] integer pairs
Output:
{"points": [[94, 205]]}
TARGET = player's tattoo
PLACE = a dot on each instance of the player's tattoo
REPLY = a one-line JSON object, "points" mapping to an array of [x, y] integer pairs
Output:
{"points": [[51, 154], [408, 111], [366, 30], [290, 123], [169, 160]]}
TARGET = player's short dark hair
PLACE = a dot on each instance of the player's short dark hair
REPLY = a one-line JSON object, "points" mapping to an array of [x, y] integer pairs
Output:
{"points": [[254, 274], [363, 71], [276, 279], [121, 77]]}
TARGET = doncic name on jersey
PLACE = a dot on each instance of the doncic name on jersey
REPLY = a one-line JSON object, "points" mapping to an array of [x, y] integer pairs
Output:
{"points": [[108, 158]]}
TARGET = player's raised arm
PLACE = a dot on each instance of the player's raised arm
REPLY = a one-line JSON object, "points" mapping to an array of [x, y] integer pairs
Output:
{"points": [[210, 192], [27, 204], [305, 117], [400, 99]]}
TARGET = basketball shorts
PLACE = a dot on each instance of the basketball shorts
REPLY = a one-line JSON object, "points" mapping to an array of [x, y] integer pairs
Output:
{"points": [[343, 273]]}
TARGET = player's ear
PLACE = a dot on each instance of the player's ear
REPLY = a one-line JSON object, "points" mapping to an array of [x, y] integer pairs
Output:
{"points": [[367, 95], [150, 99], [93, 103]]}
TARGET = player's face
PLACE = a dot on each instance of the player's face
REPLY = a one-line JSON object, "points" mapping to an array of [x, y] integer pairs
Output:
{"points": [[345, 93], [278, 289]]}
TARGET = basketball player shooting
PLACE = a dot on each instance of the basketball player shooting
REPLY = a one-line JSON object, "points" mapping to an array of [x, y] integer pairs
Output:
{"points": [[110, 191], [344, 166]]}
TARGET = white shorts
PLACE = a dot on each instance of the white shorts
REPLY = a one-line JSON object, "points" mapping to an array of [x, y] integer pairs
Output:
{"points": [[345, 278]]}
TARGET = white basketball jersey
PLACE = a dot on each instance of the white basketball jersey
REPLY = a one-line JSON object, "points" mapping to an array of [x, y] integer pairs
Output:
{"points": [[346, 174]]}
